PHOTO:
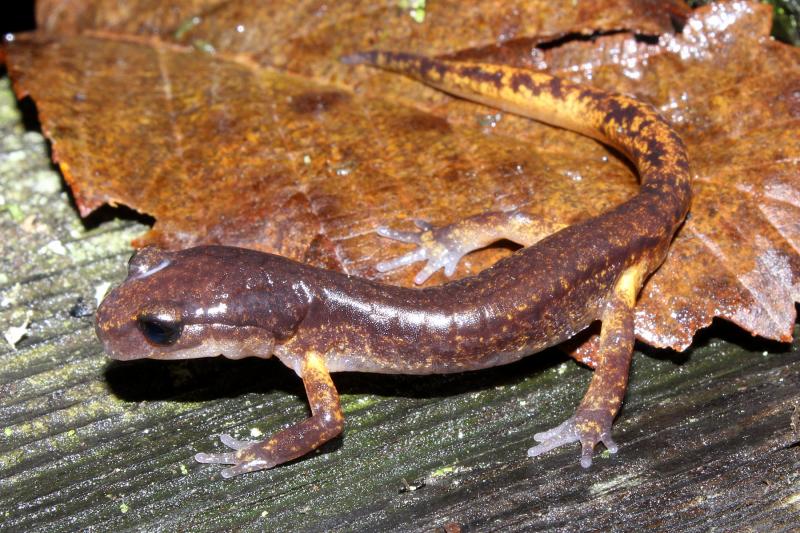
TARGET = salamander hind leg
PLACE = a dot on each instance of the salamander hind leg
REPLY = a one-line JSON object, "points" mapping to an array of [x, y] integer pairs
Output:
{"points": [[592, 421], [325, 423], [444, 247]]}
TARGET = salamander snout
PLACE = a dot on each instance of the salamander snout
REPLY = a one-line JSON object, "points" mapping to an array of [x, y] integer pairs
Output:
{"points": [[201, 302]]}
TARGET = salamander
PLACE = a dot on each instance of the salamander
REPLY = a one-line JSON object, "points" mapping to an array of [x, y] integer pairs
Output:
{"points": [[217, 300]]}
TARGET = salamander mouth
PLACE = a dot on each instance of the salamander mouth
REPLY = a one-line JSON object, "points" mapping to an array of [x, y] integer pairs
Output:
{"points": [[250, 343], [118, 353]]}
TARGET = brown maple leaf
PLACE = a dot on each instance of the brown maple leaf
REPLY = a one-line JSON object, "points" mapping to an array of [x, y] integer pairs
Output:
{"points": [[243, 128]]}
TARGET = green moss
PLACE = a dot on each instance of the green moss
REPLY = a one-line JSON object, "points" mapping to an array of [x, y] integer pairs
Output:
{"points": [[186, 26], [443, 471], [415, 9]]}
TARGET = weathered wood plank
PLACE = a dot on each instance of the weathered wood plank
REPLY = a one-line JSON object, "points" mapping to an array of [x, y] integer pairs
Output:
{"points": [[707, 438]]}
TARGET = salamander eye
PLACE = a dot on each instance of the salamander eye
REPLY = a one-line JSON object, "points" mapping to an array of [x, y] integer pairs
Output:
{"points": [[159, 330]]}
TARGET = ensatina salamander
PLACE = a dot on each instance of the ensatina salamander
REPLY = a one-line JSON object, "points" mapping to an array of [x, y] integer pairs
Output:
{"points": [[213, 300]]}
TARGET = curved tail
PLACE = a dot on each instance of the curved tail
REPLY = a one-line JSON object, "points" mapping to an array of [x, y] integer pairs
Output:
{"points": [[633, 127]]}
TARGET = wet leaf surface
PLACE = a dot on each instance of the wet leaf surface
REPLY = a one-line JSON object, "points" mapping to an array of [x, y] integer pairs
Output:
{"points": [[271, 143]]}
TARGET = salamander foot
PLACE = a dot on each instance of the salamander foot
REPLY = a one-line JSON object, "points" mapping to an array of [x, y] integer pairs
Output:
{"points": [[588, 429], [247, 457], [441, 248]]}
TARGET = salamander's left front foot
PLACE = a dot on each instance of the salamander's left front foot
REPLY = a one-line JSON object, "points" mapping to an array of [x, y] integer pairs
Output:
{"points": [[444, 247], [587, 428], [326, 422], [441, 248], [247, 457]]}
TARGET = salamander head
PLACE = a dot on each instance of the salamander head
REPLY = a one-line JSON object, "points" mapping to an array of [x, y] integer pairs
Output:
{"points": [[202, 302]]}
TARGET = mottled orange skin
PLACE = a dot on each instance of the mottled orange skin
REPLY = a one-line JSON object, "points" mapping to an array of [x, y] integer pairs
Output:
{"points": [[241, 302]]}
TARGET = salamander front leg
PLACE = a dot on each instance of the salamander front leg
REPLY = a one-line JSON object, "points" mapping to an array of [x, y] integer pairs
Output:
{"points": [[444, 247], [592, 421], [325, 423]]}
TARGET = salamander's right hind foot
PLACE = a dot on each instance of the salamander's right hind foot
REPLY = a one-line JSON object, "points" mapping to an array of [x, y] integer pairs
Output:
{"points": [[589, 431]]}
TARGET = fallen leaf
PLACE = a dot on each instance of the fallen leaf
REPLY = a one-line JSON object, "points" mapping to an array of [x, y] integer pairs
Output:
{"points": [[269, 142], [733, 94], [263, 159]]}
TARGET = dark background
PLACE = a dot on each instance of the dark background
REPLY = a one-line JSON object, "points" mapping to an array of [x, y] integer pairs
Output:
{"points": [[16, 16]]}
